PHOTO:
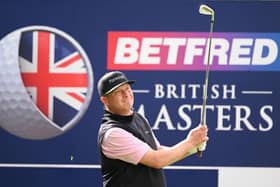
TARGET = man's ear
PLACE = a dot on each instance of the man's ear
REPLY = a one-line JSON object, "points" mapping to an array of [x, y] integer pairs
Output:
{"points": [[103, 100]]}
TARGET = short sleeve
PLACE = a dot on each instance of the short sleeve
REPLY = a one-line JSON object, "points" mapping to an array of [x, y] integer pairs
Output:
{"points": [[122, 145]]}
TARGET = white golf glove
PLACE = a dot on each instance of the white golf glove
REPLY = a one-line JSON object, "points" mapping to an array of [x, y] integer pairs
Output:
{"points": [[201, 147]]}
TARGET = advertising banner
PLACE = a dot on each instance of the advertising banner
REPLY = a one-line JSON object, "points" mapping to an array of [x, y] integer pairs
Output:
{"points": [[52, 54]]}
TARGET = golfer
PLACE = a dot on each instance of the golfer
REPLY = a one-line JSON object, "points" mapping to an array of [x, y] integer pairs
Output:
{"points": [[131, 155]]}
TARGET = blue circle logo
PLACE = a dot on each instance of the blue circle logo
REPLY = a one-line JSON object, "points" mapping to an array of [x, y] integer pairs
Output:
{"points": [[47, 82]]}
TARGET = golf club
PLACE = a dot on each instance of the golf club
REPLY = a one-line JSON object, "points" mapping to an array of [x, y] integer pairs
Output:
{"points": [[206, 10]]}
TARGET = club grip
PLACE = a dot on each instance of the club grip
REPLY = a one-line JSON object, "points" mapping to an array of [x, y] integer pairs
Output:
{"points": [[199, 153], [200, 149]]}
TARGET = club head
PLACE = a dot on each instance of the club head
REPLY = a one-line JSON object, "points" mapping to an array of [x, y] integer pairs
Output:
{"points": [[206, 10]]}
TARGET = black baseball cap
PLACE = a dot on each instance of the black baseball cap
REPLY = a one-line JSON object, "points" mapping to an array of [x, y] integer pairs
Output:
{"points": [[111, 81]]}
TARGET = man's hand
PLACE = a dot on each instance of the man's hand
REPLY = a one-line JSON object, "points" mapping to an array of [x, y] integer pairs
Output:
{"points": [[198, 138]]}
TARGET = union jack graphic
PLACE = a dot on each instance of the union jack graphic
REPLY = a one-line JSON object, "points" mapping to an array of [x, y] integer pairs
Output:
{"points": [[54, 74]]}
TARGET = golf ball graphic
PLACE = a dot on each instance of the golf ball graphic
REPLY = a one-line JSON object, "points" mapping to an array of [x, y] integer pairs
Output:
{"points": [[46, 82]]}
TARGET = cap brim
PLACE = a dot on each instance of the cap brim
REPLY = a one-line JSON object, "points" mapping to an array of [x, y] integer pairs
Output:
{"points": [[118, 85]]}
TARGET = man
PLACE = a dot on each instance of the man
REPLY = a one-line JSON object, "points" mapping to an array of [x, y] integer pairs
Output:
{"points": [[131, 156]]}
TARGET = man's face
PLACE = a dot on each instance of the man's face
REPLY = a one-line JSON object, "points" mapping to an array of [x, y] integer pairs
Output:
{"points": [[120, 101]]}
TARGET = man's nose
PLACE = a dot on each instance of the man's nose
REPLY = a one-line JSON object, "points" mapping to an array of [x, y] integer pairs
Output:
{"points": [[125, 93]]}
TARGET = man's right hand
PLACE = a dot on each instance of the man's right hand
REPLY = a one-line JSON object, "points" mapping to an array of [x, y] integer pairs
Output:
{"points": [[198, 135]]}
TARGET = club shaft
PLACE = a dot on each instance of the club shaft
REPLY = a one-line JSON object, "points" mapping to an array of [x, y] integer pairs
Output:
{"points": [[205, 90]]}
